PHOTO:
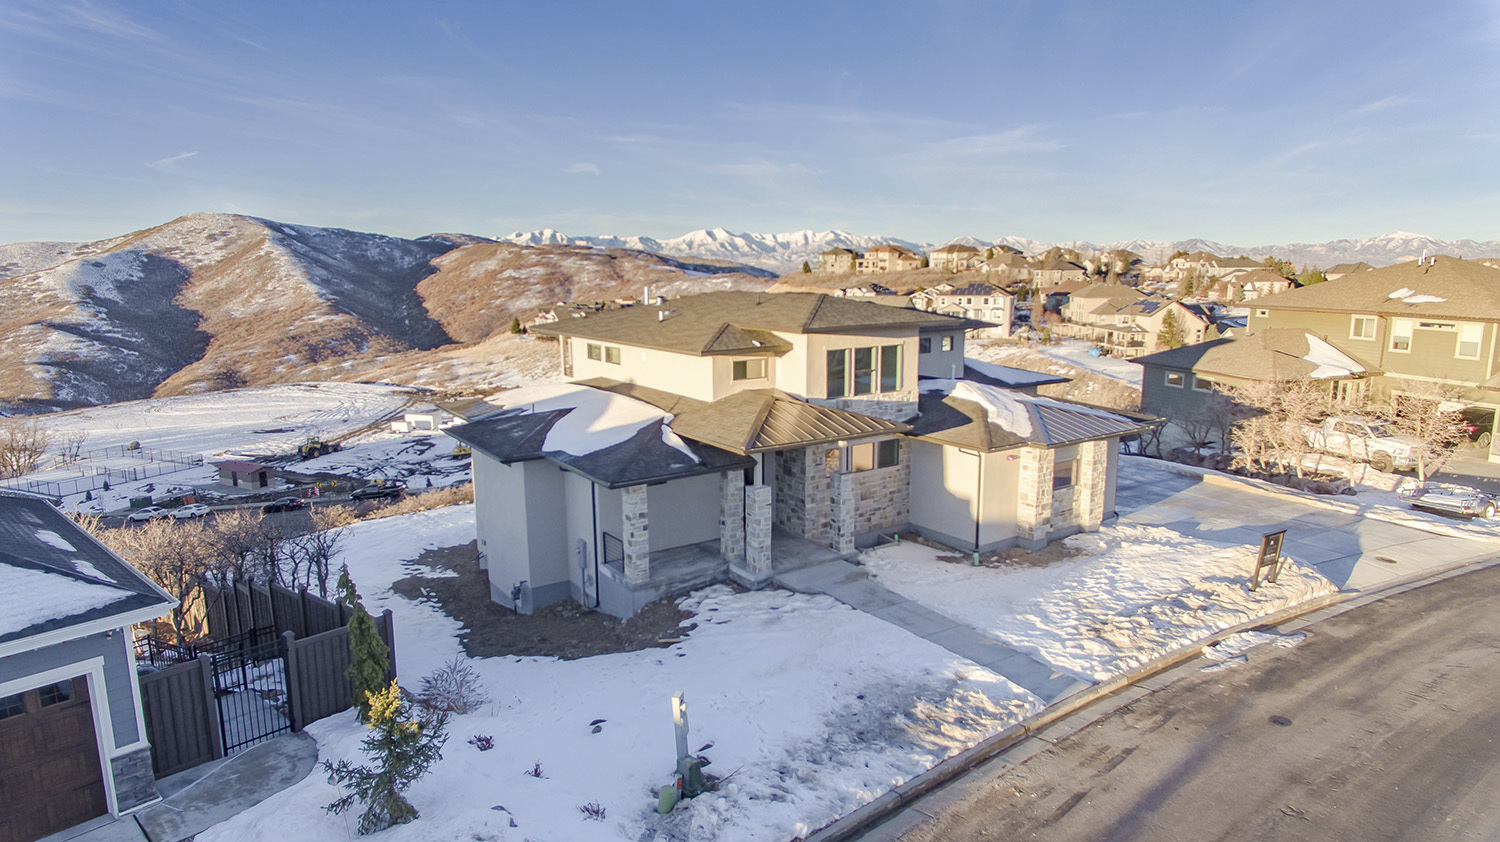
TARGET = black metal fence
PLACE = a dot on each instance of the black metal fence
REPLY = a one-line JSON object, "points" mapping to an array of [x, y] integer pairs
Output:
{"points": [[251, 687], [614, 551]]}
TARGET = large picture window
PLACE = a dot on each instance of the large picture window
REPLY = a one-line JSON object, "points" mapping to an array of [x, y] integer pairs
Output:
{"points": [[864, 371]]}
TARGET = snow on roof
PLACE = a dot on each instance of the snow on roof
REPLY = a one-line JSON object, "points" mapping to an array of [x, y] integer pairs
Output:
{"points": [[1408, 295], [1009, 375], [29, 597], [1330, 361], [598, 419], [1009, 410]]}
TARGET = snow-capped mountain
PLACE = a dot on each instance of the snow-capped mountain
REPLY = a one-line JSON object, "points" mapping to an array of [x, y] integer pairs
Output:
{"points": [[779, 253], [785, 253]]}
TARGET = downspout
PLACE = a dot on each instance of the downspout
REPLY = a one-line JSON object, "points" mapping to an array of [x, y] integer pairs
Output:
{"points": [[594, 506], [978, 499]]}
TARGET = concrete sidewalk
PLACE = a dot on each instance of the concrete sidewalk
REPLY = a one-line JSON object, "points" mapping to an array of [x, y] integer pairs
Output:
{"points": [[852, 586], [195, 800]]}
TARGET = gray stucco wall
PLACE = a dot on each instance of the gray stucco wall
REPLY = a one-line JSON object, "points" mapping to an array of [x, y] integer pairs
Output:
{"points": [[118, 678], [684, 511]]}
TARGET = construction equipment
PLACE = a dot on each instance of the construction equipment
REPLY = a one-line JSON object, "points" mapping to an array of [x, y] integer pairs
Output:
{"points": [[315, 447]]}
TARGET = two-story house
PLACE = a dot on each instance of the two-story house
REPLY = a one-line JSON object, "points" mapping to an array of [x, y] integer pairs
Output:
{"points": [[736, 434], [1247, 285], [838, 260], [888, 258], [956, 257], [984, 302], [1434, 320], [1056, 273]]}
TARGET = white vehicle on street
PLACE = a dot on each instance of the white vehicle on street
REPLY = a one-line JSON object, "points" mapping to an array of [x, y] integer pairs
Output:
{"points": [[148, 513], [190, 511]]}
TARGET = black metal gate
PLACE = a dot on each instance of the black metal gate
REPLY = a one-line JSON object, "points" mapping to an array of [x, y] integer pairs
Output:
{"points": [[250, 685]]}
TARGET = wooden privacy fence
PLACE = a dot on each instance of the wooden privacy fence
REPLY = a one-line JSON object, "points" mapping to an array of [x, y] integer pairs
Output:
{"points": [[191, 709], [246, 607]]}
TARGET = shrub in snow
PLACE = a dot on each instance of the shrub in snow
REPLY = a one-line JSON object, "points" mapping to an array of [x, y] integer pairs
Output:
{"points": [[536, 770], [403, 745], [592, 810], [372, 658], [483, 742], [453, 688]]}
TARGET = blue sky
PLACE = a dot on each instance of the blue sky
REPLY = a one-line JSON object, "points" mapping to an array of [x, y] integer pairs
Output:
{"points": [[1246, 122]]}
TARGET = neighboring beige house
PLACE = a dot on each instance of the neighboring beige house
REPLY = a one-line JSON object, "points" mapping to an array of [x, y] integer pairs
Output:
{"points": [[955, 258], [1125, 322], [1339, 271], [740, 434], [1247, 285], [984, 302], [1056, 273], [837, 260], [1206, 265], [888, 258]]}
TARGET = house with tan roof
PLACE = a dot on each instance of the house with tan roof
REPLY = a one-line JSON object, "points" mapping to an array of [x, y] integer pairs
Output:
{"points": [[1056, 273], [956, 257], [1333, 273], [736, 435], [1247, 285], [838, 260], [984, 302], [888, 258], [1206, 265], [1125, 322]]}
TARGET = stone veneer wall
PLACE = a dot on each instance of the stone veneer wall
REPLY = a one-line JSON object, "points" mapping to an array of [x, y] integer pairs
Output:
{"points": [[1034, 498], [789, 481], [803, 487], [1092, 477], [882, 497], [890, 406]]}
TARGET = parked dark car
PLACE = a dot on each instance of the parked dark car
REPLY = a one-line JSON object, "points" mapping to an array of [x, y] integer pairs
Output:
{"points": [[1478, 422], [285, 504], [378, 491]]}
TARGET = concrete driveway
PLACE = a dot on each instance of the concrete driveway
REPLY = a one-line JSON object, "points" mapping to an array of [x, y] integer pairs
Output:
{"points": [[1353, 552]]}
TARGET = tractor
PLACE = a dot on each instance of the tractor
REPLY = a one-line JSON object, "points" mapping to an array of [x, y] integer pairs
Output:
{"points": [[315, 447]]}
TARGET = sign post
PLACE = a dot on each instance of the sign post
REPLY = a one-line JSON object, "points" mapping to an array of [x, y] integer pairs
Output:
{"points": [[1269, 558]]}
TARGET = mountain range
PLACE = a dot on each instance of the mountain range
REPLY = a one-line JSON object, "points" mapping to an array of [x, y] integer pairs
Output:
{"points": [[212, 301], [785, 253]]}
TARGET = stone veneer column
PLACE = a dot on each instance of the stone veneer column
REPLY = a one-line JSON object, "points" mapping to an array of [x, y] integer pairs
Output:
{"points": [[1088, 493], [1034, 498], [637, 537], [844, 501], [732, 516], [758, 530], [135, 785]]}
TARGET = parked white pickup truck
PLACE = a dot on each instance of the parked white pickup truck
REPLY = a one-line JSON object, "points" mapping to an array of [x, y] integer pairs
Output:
{"points": [[1365, 440]]}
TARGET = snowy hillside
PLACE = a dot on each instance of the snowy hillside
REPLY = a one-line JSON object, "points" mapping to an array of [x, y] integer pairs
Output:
{"points": [[214, 301], [785, 253]]}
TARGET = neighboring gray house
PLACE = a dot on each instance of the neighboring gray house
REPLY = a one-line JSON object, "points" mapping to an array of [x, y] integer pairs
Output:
{"points": [[739, 434], [72, 738]]}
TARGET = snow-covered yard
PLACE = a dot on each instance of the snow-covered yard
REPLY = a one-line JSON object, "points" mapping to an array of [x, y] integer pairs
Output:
{"points": [[1071, 352], [1134, 594], [810, 708]]}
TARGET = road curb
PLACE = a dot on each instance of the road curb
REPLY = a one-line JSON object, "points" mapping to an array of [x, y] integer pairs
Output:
{"points": [[904, 795]]}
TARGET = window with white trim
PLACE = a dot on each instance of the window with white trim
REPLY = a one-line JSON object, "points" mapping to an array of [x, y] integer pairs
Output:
{"points": [[1470, 337], [1202, 384], [1362, 327], [1401, 331], [1176, 379]]}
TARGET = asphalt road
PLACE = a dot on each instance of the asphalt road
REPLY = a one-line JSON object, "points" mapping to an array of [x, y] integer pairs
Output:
{"points": [[1382, 724]]}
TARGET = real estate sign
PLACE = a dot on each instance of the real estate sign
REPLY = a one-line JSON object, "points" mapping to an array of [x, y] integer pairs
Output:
{"points": [[1269, 558]]}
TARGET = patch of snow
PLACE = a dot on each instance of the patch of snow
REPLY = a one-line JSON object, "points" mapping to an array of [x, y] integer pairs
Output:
{"points": [[1004, 407], [599, 419], [1007, 374], [52, 539], [28, 597], [1424, 299], [1402, 293], [1330, 361]]}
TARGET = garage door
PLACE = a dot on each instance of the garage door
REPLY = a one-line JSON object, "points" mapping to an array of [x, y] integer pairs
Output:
{"points": [[50, 777]]}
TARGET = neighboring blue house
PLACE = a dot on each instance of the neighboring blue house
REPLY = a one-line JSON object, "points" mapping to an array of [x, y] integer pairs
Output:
{"points": [[72, 738]]}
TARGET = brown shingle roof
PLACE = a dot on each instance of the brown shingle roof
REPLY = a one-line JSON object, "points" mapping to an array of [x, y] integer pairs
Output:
{"points": [[1469, 290], [1274, 354], [738, 322]]}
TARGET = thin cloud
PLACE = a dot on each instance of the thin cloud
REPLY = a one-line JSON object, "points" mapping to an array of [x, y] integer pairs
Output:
{"points": [[580, 168], [163, 163], [1382, 104]]}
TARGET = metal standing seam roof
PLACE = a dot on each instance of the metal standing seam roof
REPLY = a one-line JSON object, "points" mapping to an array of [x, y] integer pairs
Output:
{"points": [[949, 420], [755, 420]]}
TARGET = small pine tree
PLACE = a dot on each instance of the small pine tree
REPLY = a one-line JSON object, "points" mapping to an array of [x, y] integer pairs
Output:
{"points": [[372, 658], [105, 487], [403, 744], [925, 263], [1171, 332], [806, 268], [989, 254], [515, 325]]}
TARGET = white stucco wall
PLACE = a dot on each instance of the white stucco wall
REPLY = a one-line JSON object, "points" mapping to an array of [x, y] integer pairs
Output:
{"points": [[681, 374], [520, 520], [945, 483], [684, 511], [940, 363]]}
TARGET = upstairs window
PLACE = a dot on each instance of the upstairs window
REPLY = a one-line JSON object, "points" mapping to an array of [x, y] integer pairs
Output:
{"points": [[1362, 327], [867, 456], [924, 345], [1470, 336], [604, 353], [1401, 331], [864, 371], [1202, 384], [1176, 379], [750, 369]]}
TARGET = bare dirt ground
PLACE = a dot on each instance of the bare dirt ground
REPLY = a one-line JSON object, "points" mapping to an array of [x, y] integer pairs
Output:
{"points": [[565, 630]]}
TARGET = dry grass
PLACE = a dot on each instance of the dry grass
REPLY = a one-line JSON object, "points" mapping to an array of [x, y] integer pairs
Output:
{"points": [[453, 495]]}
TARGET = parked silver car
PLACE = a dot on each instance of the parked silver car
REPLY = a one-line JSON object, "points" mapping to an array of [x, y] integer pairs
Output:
{"points": [[1451, 500]]}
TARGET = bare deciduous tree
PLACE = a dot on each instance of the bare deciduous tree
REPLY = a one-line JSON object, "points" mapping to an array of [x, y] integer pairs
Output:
{"points": [[1428, 412], [22, 443], [1272, 434], [177, 556]]}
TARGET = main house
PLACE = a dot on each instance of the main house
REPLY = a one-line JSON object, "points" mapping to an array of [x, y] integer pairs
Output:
{"points": [[73, 740], [737, 434]]}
